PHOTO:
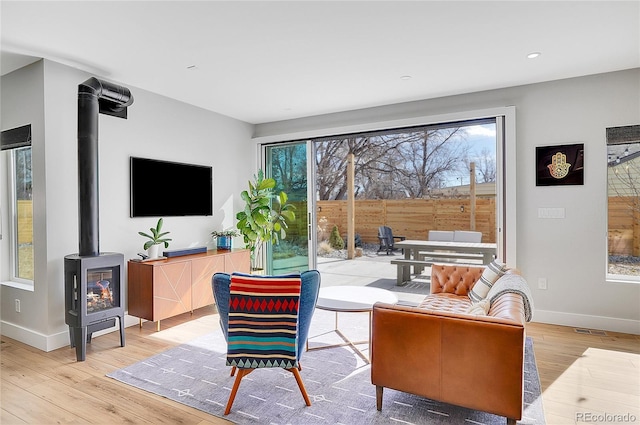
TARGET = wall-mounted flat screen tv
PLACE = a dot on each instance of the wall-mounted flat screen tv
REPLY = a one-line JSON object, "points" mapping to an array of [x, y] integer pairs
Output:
{"points": [[166, 189]]}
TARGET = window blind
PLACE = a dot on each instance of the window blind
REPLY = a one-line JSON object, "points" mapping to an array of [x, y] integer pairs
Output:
{"points": [[18, 137]]}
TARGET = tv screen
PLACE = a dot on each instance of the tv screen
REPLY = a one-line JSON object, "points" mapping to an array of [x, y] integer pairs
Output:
{"points": [[165, 189]]}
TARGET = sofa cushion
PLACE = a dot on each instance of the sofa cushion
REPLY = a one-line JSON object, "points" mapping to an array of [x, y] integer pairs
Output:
{"points": [[490, 275], [449, 303]]}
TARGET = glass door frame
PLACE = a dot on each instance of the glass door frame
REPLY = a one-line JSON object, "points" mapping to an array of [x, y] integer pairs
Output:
{"points": [[311, 200]]}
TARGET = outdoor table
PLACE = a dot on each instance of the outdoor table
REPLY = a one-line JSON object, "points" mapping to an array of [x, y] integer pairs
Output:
{"points": [[413, 248]]}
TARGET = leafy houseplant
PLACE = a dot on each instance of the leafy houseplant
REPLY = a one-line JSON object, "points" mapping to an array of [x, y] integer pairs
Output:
{"points": [[156, 238], [224, 238], [264, 218]]}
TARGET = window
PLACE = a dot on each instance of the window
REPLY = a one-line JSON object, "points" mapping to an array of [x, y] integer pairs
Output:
{"points": [[412, 178], [623, 180], [497, 124], [16, 147]]}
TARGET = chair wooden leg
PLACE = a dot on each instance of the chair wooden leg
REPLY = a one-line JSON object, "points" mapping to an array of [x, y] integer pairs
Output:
{"points": [[241, 374], [511, 421], [379, 390], [300, 385], [233, 371]]}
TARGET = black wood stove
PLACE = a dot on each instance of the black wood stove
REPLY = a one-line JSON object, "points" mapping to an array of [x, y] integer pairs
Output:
{"points": [[94, 297], [94, 292]]}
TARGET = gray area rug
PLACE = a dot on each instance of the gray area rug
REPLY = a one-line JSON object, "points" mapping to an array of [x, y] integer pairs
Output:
{"points": [[337, 380]]}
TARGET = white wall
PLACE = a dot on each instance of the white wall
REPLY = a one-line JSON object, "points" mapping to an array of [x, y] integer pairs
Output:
{"points": [[570, 253], [157, 127], [22, 104]]}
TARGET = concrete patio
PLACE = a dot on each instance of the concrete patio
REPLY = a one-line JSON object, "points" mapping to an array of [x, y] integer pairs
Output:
{"points": [[373, 270]]}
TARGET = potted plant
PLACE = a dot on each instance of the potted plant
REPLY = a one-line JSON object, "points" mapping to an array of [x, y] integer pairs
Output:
{"points": [[156, 238], [224, 238], [264, 218]]}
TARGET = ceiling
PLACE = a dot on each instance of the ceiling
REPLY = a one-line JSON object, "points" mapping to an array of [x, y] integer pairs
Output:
{"points": [[267, 61]]}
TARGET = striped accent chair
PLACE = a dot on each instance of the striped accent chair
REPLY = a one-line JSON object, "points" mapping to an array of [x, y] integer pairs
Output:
{"points": [[265, 320]]}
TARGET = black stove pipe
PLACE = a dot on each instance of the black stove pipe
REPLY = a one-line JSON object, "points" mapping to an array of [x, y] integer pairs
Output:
{"points": [[94, 97]]}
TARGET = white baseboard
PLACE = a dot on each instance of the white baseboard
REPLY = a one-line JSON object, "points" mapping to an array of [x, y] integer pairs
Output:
{"points": [[603, 323], [56, 340], [27, 336]]}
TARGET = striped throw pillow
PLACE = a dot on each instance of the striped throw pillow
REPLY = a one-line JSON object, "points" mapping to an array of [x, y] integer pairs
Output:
{"points": [[490, 275], [263, 321]]}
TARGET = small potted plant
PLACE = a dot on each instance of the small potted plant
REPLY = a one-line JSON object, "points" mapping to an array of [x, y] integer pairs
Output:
{"points": [[224, 238], [156, 238]]}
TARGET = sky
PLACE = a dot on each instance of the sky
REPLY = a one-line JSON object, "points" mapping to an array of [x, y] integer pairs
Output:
{"points": [[480, 137]]}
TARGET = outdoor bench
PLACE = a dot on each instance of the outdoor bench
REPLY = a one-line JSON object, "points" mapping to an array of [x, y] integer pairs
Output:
{"points": [[426, 259], [404, 268]]}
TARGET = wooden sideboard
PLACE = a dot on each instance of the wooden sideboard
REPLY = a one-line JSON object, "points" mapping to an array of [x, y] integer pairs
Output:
{"points": [[164, 288]]}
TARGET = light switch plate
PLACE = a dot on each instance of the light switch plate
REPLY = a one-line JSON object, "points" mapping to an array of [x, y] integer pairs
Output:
{"points": [[551, 213]]}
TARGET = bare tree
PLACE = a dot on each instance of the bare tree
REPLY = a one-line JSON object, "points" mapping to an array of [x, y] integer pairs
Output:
{"points": [[389, 166], [485, 166], [289, 169], [331, 162], [23, 184], [431, 156]]}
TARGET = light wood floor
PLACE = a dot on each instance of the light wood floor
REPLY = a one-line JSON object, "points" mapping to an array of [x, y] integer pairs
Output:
{"points": [[580, 374], [584, 375]]}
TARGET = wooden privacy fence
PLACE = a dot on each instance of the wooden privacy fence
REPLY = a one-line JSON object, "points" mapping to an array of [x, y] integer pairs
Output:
{"points": [[412, 218], [624, 225], [25, 226]]}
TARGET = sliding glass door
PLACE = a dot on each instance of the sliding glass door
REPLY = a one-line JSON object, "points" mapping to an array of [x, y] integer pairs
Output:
{"points": [[402, 168], [288, 164]]}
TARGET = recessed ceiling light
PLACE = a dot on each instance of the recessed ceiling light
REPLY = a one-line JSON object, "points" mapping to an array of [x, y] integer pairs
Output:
{"points": [[533, 55], [405, 77]]}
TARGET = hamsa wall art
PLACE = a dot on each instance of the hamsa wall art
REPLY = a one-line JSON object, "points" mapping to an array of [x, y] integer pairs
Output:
{"points": [[560, 165]]}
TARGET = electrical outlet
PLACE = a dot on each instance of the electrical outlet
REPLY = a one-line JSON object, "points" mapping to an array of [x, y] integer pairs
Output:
{"points": [[542, 283], [17, 305]]}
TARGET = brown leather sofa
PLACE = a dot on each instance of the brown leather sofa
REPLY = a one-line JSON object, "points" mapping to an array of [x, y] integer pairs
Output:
{"points": [[439, 351]]}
